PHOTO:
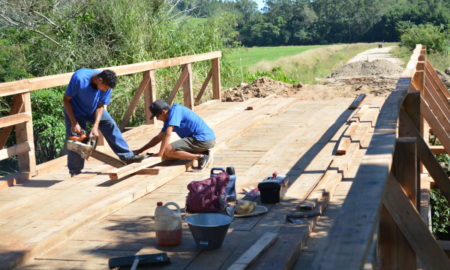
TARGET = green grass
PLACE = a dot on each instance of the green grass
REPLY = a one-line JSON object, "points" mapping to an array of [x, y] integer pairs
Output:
{"points": [[246, 57], [438, 60]]}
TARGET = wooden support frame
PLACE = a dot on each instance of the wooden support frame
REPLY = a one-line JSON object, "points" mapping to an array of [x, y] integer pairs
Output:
{"points": [[396, 253], [24, 134], [15, 150], [203, 88], [413, 227], [216, 78], [149, 96], [188, 95], [183, 76], [16, 108]]}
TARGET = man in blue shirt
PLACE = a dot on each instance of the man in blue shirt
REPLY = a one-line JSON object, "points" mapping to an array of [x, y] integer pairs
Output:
{"points": [[196, 136], [87, 94]]}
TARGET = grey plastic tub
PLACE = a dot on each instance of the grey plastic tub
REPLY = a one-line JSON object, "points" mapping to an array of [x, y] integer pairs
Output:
{"points": [[209, 230]]}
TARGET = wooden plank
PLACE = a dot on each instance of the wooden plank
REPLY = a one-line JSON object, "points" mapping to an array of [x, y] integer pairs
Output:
{"points": [[15, 119], [24, 133], [134, 101], [432, 76], [266, 240], [346, 139], [184, 74], [357, 101], [216, 85], [413, 228], [203, 88], [150, 96], [427, 158], [350, 238], [434, 123], [26, 85], [16, 108], [115, 162], [134, 167], [439, 107], [396, 253], [438, 149], [188, 95], [15, 150]]}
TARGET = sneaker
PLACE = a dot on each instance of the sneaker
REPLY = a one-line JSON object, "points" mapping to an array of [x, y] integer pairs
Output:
{"points": [[203, 161], [133, 159]]}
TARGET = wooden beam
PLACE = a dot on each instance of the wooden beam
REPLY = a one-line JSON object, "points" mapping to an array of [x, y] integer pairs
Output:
{"points": [[432, 76], [26, 85], [16, 108], [115, 162], [184, 74], [426, 156], [24, 133], [436, 125], [134, 101], [15, 150], [188, 95], [357, 101], [413, 228], [346, 139], [396, 253], [149, 96], [12, 120], [263, 243], [134, 167], [438, 149], [203, 88], [216, 85]]}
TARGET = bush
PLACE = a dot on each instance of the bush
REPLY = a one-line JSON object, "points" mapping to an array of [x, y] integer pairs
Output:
{"points": [[436, 38], [440, 212]]}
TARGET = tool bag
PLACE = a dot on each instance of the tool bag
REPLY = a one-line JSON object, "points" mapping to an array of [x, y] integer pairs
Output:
{"points": [[207, 195]]}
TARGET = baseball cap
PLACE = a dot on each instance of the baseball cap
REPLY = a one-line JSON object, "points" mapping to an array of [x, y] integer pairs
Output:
{"points": [[157, 107]]}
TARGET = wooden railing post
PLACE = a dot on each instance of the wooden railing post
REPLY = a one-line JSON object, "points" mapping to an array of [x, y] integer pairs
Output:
{"points": [[216, 78], [411, 107], [149, 95], [396, 253], [24, 134], [188, 95]]}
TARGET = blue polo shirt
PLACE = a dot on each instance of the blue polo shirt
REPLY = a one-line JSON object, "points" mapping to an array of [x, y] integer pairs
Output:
{"points": [[187, 123], [85, 97]]}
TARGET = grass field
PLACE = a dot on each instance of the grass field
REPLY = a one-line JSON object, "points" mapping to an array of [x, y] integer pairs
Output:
{"points": [[246, 57]]}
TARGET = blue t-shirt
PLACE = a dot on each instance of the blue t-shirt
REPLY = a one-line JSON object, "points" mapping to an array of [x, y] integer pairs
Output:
{"points": [[187, 123], [85, 97]]}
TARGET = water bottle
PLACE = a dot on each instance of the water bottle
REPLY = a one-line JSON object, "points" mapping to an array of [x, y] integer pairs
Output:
{"points": [[168, 224]]}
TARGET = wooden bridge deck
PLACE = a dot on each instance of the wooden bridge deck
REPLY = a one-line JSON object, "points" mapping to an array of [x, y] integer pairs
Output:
{"points": [[56, 222]]}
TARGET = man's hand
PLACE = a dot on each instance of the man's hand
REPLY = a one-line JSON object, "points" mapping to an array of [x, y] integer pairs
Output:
{"points": [[137, 152], [94, 132], [76, 128]]}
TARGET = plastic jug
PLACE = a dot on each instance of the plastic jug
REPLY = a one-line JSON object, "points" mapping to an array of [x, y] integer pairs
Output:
{"points": [[168, 224]]}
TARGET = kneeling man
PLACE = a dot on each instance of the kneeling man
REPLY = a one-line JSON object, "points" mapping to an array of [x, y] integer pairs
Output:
{"points": [[196, 136]]}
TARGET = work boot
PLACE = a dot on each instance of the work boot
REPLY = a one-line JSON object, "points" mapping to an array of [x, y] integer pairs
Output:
{"points": [[133, 159]]}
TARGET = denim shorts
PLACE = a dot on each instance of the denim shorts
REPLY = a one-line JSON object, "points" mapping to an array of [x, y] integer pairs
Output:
{"points": [[191, 145]]}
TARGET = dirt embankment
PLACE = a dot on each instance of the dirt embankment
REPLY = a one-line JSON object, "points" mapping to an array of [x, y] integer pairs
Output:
{"points": [[377, 77]]}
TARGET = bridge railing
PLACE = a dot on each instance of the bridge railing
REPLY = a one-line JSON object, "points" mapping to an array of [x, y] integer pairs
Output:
{"points": [[382, 209], [20, 114]]}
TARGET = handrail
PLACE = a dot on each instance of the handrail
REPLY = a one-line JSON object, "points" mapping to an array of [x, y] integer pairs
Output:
{"points": [[375, 194], [20, 115]]}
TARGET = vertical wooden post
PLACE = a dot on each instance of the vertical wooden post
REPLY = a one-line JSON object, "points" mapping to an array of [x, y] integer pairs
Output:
{"points": [[216, 78], [16, 108], [24, 133], [149, 95], [188, 95], [396, 252], [411, 106]]}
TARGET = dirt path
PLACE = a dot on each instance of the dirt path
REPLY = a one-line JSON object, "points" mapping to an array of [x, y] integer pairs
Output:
{"points": [[377, 54], [373, 72]]}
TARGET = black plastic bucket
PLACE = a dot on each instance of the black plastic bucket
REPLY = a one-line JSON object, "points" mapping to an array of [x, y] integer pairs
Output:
{"points": [[209, 230]]}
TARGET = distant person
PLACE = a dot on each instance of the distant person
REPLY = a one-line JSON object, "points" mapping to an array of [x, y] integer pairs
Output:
{"points": [[86, 97], [196, 136]]}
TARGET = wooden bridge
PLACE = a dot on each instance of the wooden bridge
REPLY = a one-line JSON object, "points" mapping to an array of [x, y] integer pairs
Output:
{"points": [[373, 197]]}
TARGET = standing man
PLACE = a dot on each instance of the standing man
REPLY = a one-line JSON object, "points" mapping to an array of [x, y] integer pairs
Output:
{"points": [[88, 93], [196, 136]]}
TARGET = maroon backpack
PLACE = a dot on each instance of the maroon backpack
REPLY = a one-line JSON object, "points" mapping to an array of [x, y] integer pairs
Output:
{"points": [[207, 195]]}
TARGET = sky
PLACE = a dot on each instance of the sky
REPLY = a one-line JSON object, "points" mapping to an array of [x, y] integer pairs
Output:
{"points": [[260, 4]]}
